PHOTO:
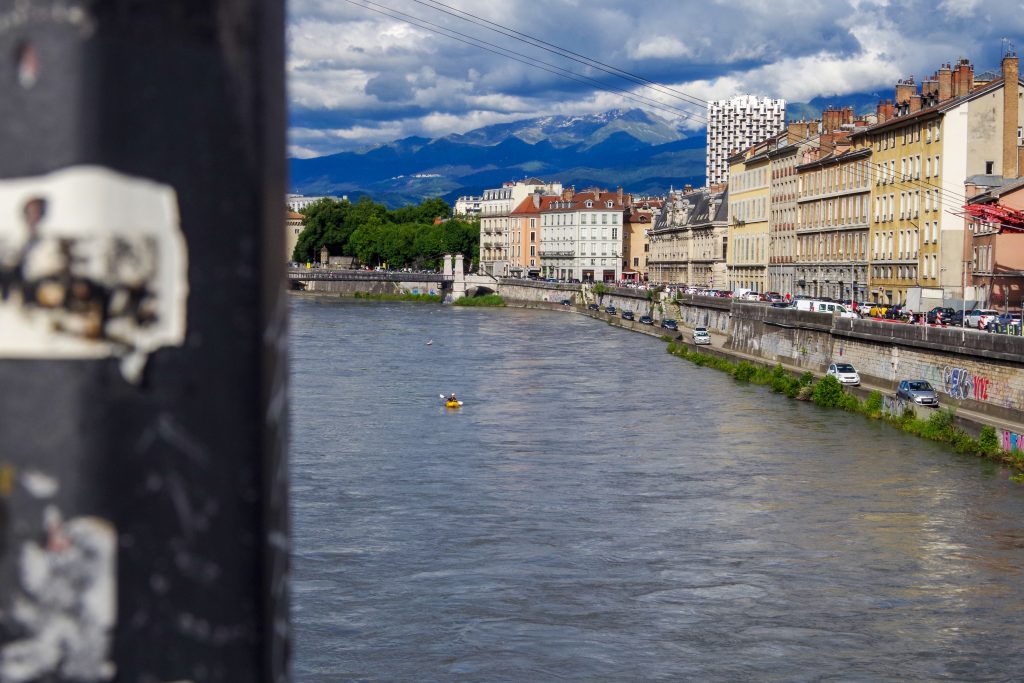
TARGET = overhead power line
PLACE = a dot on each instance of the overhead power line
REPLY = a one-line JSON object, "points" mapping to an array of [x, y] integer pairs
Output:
{"points": [[522, 58], [562, 52]]}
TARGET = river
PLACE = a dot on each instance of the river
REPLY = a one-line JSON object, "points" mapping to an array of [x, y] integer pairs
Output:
{"points": [[601, 511]]}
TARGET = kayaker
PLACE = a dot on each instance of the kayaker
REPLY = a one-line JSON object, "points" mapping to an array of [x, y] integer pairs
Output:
{"points": [[452, 399]]}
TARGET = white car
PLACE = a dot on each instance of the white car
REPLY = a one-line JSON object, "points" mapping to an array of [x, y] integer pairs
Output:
{"points": [[980, 317], [701, 336], [845, 373]]}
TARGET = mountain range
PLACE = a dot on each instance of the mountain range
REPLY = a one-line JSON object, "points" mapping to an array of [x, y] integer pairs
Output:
{"points": [[632, 149]]}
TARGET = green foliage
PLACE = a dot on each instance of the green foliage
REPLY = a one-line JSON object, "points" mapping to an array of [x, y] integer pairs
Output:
{"points": [[828, 393], [805, 393], [404, 238], [599, 289], [988, 441], [488, 300], [873, 404], [806, 379], [744, 371]]}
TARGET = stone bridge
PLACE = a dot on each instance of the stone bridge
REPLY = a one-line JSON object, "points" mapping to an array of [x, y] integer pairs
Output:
{"points": [[452, 283]]}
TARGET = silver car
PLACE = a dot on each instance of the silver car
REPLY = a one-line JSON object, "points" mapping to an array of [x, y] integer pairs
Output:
{"points": [[919, 391], [845, 373], [701, 336]]}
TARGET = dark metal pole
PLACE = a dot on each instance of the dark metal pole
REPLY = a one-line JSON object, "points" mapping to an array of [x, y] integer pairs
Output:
{"points": [[143, 509]]}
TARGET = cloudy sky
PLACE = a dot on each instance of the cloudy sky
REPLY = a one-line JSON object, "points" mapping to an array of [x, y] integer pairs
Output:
{"points": [[362, 72]]}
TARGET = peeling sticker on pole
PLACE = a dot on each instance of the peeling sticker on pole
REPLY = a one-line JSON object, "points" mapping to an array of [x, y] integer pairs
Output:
{"points": [[66, 605], [93, 264]]}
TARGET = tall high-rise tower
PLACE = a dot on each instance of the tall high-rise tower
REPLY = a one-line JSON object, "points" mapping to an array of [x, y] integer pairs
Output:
{"points": [[734, 125]]}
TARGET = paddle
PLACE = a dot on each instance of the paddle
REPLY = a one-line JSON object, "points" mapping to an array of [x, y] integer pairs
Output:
{"points": [[446, 398]]}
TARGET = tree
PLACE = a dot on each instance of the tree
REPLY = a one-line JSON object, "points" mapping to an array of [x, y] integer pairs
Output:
{"points": [[324, 223]]}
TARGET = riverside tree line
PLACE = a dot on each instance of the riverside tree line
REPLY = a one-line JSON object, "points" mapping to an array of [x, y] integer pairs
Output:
{"points": [[409, 237]]}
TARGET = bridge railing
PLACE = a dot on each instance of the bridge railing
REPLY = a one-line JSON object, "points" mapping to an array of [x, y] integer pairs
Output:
{"points": [[364, 275]]}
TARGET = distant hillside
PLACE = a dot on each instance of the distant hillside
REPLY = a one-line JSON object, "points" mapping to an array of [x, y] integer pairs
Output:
{"points": [[633, 149], [638, 151]]}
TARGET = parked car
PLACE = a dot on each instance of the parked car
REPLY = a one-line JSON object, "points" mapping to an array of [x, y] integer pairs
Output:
{"points": [[845, 373], [646, 320], [980, 317], [566, 302], [774, 298], [610, 310], [701, 336], [947, 314], [894, 312], [1004, 322], [669, 324], [627, 315], [594, 307], [919, 391]]}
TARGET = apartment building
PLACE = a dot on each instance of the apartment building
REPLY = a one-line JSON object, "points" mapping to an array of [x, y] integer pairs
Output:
{"points": [[581, 235], [689, 243], [641, 213], [299, 202], [495, 207], [749, 201], [994, 251], [928, 142], [467, 206], [833, 213], [524, 234], [736, 124]]}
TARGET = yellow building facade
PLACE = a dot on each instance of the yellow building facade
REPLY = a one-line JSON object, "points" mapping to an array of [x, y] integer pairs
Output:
{"points": [[749, 207]]}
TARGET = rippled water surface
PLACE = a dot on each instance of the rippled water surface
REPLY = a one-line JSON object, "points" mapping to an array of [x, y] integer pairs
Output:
{"points": [[601, 511]]}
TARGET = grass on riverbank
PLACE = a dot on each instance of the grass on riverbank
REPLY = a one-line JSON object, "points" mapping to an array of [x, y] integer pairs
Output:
{"points": [[487, 300], [827, 392], [423, 298]]}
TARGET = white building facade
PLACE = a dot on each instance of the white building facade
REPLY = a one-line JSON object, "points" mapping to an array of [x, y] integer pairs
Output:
{"points": [[581, 237], [736, 124], [298, 202], [468, 206]]}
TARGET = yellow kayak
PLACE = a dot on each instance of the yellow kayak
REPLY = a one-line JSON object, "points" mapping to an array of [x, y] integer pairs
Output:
{"points": [[453, 404]]}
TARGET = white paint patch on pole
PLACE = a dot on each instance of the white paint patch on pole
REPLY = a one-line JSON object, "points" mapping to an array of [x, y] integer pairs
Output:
{"points": [[93, 264]]}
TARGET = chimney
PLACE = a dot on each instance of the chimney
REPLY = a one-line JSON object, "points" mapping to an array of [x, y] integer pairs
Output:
{"points": [[884, 110], [1011, 104], [915, 103], [963, 78], [945, 78], [905, 89], [619, 193], [831, 120], [536, 199], [930, 89], [568, 193]]}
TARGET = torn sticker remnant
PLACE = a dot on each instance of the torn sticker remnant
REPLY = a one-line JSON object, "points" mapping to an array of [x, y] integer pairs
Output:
{"points": [[93, 264], [66, 606]]}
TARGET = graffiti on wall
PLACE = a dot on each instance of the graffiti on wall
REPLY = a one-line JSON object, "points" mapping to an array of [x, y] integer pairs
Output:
{"points": [[894, 406], [1010, 441], [961, 383]]}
